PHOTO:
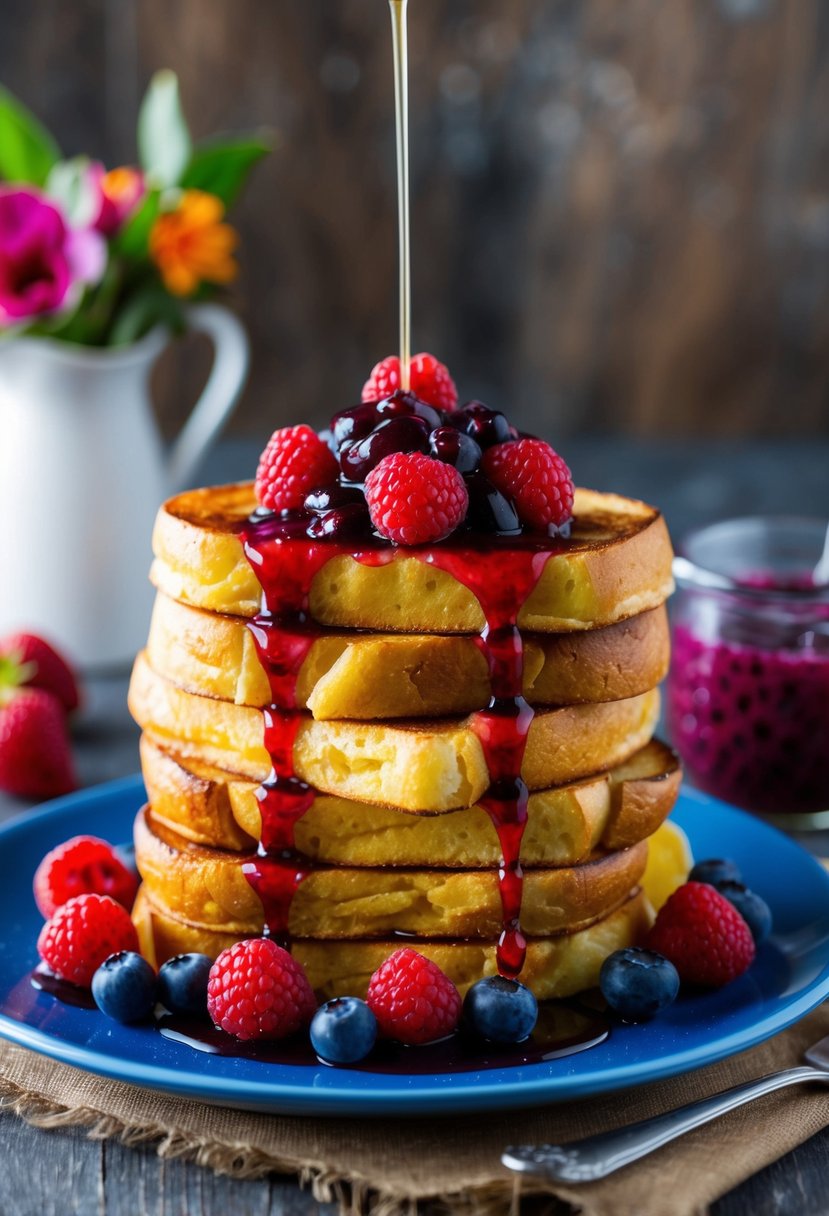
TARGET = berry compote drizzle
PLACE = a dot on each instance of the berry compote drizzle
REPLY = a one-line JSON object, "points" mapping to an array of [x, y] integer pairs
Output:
{"points": [[502, 573]]}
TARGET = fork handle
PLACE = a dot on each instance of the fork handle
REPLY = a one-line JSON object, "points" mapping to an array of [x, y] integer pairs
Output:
{"points": [[597, 1156]]}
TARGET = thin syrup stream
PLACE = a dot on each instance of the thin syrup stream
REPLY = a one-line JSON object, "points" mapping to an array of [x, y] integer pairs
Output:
{"points": [[401, 123]]}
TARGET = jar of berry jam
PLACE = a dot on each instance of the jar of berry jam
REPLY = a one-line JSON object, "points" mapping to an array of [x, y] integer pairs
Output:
{"points": [[748, 693]]}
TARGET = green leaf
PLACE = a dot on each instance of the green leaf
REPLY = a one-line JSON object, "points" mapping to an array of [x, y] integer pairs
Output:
{"points": [[134, 237], [164, 144], [222, 166], [147, 307], [69, 183], [27, 150]]}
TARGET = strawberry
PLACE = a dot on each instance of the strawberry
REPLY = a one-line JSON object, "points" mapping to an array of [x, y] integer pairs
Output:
{"points": [[28, 660], [35, 760]]}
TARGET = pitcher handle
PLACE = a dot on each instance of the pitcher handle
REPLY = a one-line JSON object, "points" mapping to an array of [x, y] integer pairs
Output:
{"points": [[227, 379]]}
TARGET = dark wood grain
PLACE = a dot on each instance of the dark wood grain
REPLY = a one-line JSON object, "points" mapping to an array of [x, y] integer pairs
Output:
{"points": [[794, 1184], [621, 211], [64, 1174]]}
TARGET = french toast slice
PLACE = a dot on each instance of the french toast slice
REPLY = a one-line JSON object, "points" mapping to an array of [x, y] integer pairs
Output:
{"points": [[556, 966], [208, 887], [616, 564], [421, 765], [564, 826], [380, 676]]}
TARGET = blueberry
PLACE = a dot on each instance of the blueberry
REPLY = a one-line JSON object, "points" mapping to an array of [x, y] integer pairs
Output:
{"points": [[347, 521], [343, 1031], [353, 423], [500, 1010], [400, 404], [453, 447], [489, 510], [182, 984], [754, 910], [638, 983], [404, 434], [328, 497], [124, 987], [714, 870], [485, 426]]}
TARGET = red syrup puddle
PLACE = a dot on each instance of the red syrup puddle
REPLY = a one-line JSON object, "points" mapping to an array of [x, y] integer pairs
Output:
{"points": [[501, 574], [70, 994], [563, 1029]]}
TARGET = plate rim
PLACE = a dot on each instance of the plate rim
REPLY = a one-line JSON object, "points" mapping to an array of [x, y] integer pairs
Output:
{"points": [[289, 1098]]}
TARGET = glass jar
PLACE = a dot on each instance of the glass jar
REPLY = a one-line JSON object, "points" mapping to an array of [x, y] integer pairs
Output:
{"points": [[748, 693]]}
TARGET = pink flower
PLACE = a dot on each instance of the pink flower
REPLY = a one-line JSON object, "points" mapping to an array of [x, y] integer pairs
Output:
{"points": [[119, 193], [42, 260]]}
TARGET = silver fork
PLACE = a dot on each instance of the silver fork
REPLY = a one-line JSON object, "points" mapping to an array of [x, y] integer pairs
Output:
{"points": [[597, 1156]]}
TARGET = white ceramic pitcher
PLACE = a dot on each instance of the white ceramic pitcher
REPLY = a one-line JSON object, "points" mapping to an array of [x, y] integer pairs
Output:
{"points": [[82, 474]]}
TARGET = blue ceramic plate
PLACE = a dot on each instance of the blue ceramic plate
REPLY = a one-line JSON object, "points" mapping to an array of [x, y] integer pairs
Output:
{"points": [[789, 977]]}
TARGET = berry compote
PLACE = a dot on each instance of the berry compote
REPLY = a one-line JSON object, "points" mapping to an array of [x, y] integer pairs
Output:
{"points": [[490, 552], [748, 694]]}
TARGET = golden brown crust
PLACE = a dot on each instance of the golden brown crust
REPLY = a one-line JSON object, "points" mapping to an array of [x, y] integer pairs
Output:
{"points": [[617, 564], [207, 887], [382, 676], [611, 810], [415, 765], [555, 967]]}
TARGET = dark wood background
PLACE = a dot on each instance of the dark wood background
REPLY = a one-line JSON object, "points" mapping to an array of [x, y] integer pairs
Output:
{"points": [[621, 210]]}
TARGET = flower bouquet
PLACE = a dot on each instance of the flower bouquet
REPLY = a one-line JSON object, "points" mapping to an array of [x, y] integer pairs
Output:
{"points": [[99, 256]]}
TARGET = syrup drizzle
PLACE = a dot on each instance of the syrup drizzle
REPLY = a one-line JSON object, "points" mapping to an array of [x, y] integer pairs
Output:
{"points": [[501, 575], [397, 9], [283, 633], [502, 588]]}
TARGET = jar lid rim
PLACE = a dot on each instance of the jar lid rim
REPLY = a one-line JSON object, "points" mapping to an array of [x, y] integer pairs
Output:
{"points": [[692, 573]]}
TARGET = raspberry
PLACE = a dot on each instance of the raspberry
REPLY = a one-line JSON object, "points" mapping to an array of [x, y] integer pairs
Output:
{"points": [[256, 990], [703, 935], [429, 379], [82, 934], [82, 865], [535, 478], [294, 462], [412, 999], [413, 499]]}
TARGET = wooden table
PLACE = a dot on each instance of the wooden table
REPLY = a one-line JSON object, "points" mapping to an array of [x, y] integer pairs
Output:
{"points": [[63, 1173]]}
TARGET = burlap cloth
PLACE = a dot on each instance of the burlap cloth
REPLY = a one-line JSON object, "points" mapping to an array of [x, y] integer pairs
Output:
{"points": [[386, 1165]]}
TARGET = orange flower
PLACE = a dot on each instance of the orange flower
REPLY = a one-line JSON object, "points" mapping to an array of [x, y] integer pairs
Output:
{"points": [[123, 186], [191, 245]]}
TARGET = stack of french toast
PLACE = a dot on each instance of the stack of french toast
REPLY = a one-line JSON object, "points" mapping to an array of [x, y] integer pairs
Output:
{"points": [[395, 843]]}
